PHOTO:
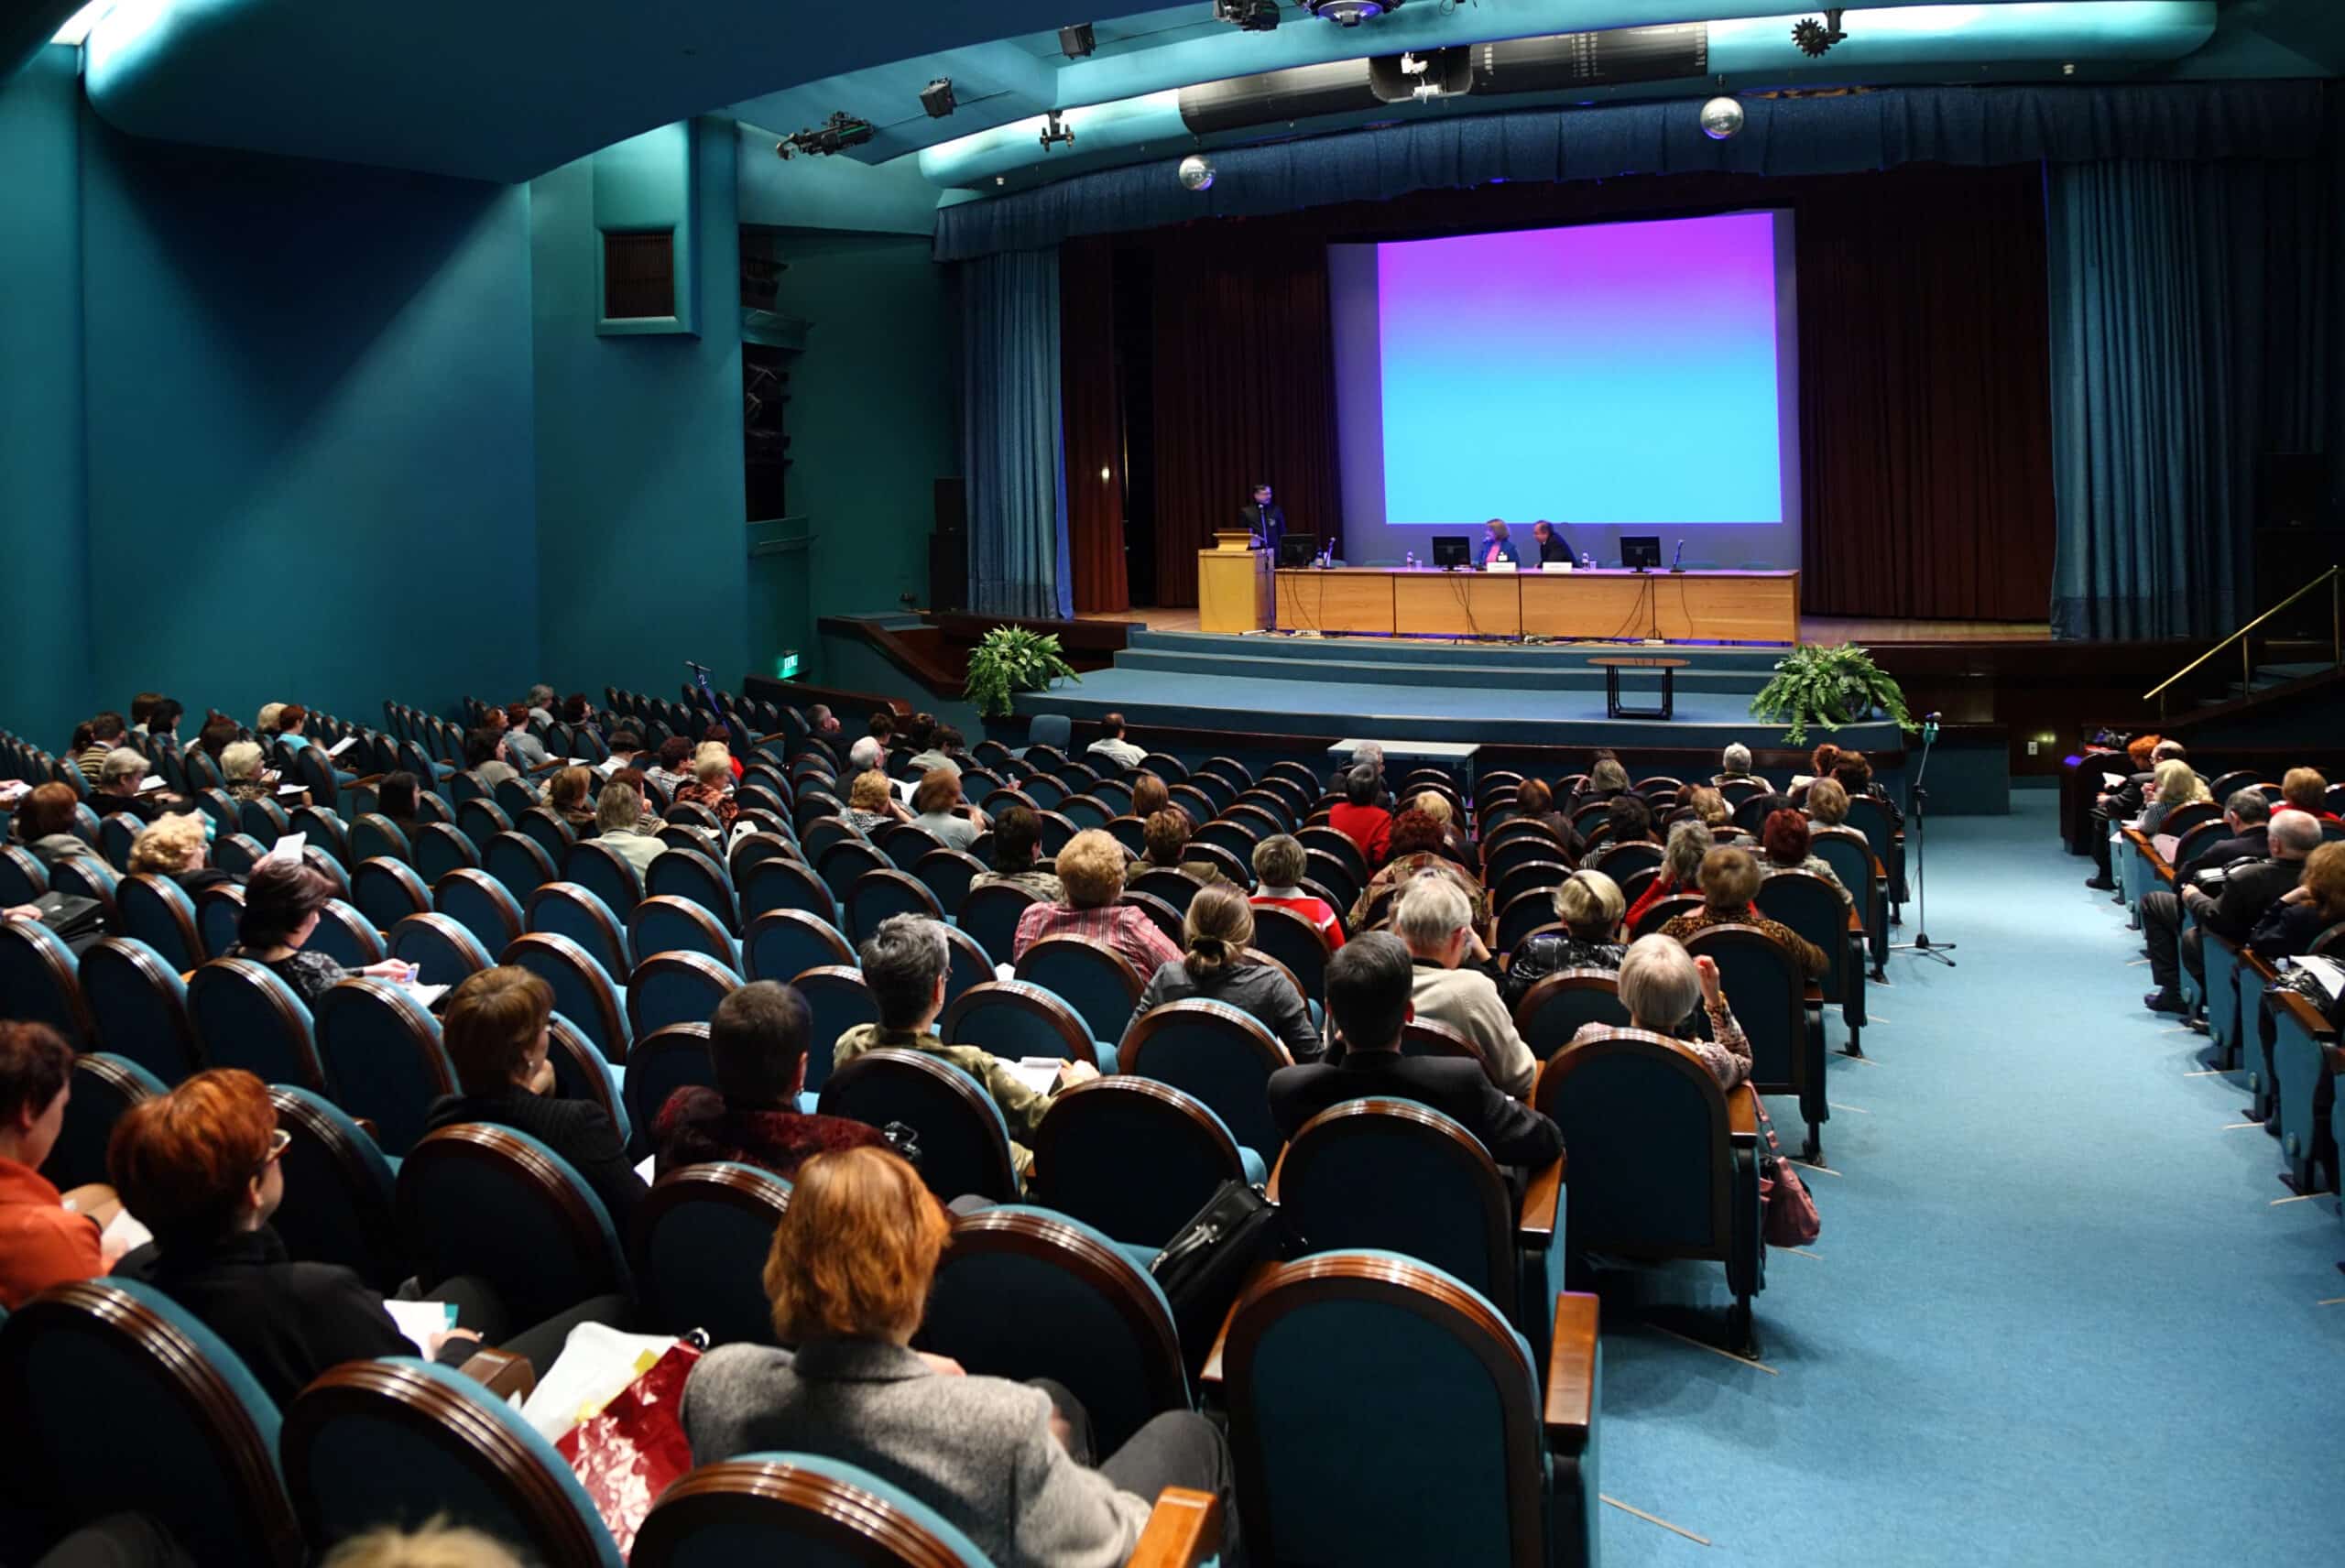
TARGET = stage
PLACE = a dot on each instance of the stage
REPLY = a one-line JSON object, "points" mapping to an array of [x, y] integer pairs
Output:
{"points": [[1870, 631]]}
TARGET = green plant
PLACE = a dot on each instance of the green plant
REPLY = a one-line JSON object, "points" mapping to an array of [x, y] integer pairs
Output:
{"points": [[1010, 659], [1831, 686]]}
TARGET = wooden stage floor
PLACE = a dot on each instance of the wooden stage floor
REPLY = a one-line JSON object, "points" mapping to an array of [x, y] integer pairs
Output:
{"points": [[1812, 628]]}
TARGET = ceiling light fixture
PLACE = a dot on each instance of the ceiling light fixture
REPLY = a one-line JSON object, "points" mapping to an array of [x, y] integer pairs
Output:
{"points": [[1055, 131], [835, 135], [937, 98], [1248, 15], [1350, 13], [1077, 40]]}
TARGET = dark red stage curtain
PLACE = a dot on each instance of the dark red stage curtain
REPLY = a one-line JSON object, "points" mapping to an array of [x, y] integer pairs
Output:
{"points": [[1092, 423], [1245, 389], [1926, 416]]}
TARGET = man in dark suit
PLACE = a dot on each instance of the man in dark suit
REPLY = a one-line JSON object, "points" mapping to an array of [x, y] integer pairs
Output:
{"points": [[2249, 816], [1264, 519], [1369, 981], [2249, 887]]}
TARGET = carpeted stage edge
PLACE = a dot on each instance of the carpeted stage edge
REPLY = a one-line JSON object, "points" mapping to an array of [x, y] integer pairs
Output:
{"points": [[2055, 1315]]}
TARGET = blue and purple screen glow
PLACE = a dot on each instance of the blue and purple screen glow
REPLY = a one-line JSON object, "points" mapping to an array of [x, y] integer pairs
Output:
{"points": [[1609, 374]]}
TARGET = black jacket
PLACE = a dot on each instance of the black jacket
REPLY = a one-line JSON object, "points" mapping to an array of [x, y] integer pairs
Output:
{"points": [[2247, 894], [288, 1320], [1269, 523], [575, 1129], [1253, 988], [2251, 844], [1551, 955], [2287, 931], [1457, 1088]]}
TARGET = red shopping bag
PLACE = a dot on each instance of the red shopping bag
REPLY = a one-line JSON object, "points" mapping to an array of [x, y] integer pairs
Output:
{"points": [[625, 1455]]}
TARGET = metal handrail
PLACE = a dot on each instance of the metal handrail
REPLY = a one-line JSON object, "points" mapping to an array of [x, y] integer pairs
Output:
{"points": [[2336, 637]]}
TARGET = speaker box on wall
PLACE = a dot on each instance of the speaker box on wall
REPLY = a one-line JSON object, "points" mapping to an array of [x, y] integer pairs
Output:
{"points": [[948, 548]]}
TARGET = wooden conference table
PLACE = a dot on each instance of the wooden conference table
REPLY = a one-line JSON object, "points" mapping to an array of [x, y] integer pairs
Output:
{"points": [[1683, 606]]}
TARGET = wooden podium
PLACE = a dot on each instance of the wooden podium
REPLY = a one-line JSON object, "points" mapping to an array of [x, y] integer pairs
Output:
{"points": [[1233, 584]]}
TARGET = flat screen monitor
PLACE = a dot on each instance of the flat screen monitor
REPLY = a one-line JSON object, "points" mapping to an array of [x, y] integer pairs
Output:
{"points": [[1297, 550], [1452, 550], [1640, 552]]}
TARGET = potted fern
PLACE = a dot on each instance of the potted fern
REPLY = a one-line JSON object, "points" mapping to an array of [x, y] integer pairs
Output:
{"points": [[1010, 659], [1832, 685]]}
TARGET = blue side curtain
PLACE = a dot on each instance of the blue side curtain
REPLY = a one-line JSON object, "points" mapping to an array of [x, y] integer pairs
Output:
{"points": [[2190, 319], [1017, 490]]}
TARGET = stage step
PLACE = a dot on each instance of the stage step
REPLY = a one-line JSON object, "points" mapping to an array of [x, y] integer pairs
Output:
{"points": [[1563, 674]]}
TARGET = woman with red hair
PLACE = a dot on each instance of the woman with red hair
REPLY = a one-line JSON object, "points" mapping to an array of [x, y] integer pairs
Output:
{"points": [[1786, 840]]}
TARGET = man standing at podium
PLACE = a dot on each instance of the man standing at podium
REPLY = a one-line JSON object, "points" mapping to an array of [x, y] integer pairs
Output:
{"points": [[1264, 519]]}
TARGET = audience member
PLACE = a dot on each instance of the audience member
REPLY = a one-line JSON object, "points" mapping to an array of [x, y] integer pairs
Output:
{"points": [[1220, 929], [1681, 868], [484, 756], [1536, 802], [1436, 921], [2249, 816], [247, 780], [1827, 803], [292, 727], [162, 722], [1734, 763], [106, 731], [46, 1237], [919, 732], [1730, 879], [626, 749], [432, 1544], [1279, 864], [1454, 843], [621, 824], [1016, 856], [942, 745], [1164, 836], [539, 703], [115, 788], [2178, 785], [1007, 1464], [2304, 789], [882, 727], [1359, 818], [577, 712], [397, 797], [1628, 820], [673, 771], [141, 707], [1661, 984], [1590, 906], [1149, 796], [822, 720], [1606, 778], [175, 847], [868, 753], [938, 806], [44, 825], [283, 902], [871, 804], [202, 1169], [1855, 775], [1369, 989], [1710, 810], [905, 963], [2245, 891], [712, 784], [218, 733], [2288, 928], [1785, 842], [1416, 850], [2125, 801], [495, 1026], [1091, 870], [264, 722], [756, 1050], [567, 796]]}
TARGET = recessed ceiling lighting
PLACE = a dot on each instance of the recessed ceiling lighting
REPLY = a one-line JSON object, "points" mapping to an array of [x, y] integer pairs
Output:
{"points": [[77, 27]]}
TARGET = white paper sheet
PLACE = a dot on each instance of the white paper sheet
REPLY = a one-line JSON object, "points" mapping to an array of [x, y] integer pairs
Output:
{"points": [[287, 850], [420, 1320], [152, 783], [2325, 970], [1040, 1074], [344, 744], [125, 1234]]}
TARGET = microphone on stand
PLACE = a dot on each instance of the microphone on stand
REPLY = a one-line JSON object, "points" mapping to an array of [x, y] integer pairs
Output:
{"points": [[1678, 556]]}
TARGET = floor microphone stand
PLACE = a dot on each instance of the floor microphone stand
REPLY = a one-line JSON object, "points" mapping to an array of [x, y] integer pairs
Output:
{"points": [[1921, 942]]}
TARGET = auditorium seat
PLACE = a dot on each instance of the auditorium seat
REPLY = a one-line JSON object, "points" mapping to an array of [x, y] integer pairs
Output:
{"points": [[493, 1203], [699, 1249], [372, 835], [1016, 1019], [548, 830], [783, 943], [104, 1087], [1296, 943], [246, 1017], [699, 878], [481, 820], [482, 905], [663, 1061], [1664, 1162], [880, 893], [381, 1051], [1661, 912], [779, 884], [602, 871], [665, 923], [1093, 979], [2305, 1064], [676, 987], [386, 891], [338, 1205], [22, 877], [519, 862], [1311, 1366], [346, 936], [1850, 857], [837, 1000], [947, 874], [963, 1143], [139, 1008], [1135, 1157], [1558, 1004], [583, 991], [396, 1440], [218, 911], [1813, 909], [157, 912], [750, 848], [991, 913], [1781, 1012], [1215, 1051]]}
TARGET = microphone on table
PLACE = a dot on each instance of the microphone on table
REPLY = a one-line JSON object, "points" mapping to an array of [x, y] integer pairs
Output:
{"points": [[1677, 557]]}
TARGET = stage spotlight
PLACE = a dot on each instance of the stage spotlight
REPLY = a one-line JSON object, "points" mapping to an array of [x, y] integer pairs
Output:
{"points": [[937, 98], [1196, 173], [1248, 15], [1815, 38], [1077, 40], [1350, 13], [1055, 131], [835, 135], [1721, 118]]}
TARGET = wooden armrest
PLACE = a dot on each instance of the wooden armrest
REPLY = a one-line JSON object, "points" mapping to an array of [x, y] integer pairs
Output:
{"points": [[501, 1372], [1270, 1188], [1571, 1374], [1742, 1111], [1536, 1224], [2253, 961], [1210, 1376], [2308, 1017], [367, 1125], [1880, 871], [1814, 996], [1855, 922], [1183, 1529]]}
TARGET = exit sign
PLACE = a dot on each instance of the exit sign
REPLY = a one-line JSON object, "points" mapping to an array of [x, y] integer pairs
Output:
{"points": [[786, 666]]}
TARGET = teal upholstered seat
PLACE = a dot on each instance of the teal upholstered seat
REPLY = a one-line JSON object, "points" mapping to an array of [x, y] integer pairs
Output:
{"points": [[1135, 1157], [345, 935], [687, 874], [87, 1364], [1554, 1008], [1813, 908], [443, 952], [519, 862], [569, 909], [806, 1509], [481, 820], [991, 913], [606, 874], [1017, 1019], [398, 1440], [1218, 1053], [381, 1051], [104, 1086], [1772, 1003], [246, 1017], [779, 884], [667, 924], [583, 990], [676, 988], [964, 1142], [662, 1062], [440, 849], [842, 863], [338, 1205], [386, 891], [1092, 978], [488, 1201], [372, 835], [881, 893], [838, 1000], [700, 1244], [784, 943], [138, 1005], [2304, 1080]]}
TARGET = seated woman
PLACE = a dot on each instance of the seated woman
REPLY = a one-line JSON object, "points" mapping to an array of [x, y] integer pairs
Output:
{"points": [[1166, 836], [240, 765], [495, 1028], [620, 822], [1006, 1464], [1417, 846], [1359, 818], [1711, 811], [1279, 861], [673, 771], [1434, 804], [1729, 880], [757, 1048], [1590, 906], [569, 797], [1219, 930], [201, 1168], [397, 797], [1855, 775], [1149, 796], [523, 750], [1628, 820], [175, 847], [45, 1238], [1091, 870], [937, 806], [1606, 778], [1681, 866], [871, 804], [282, 903], [116, 787], [487, 755], [2316, 902], [1660, 985], [1535, 801], [44, 825], [1827, 803], [1017, 857], [720, 734], [2177, 784], [712, 784], [1496, 546], [1785, 840]]}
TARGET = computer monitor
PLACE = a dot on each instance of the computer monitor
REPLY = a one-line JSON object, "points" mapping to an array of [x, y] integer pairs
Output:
{"points": [[1297, 550], [1640, 552], [1452, 550]]}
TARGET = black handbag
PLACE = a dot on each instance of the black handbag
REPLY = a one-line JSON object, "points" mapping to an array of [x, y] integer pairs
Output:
{"points": [[78, 922], [1205, 1264]]}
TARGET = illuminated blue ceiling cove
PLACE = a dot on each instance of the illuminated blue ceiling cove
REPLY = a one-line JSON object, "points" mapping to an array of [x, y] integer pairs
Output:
{"points": [[503, 90]]}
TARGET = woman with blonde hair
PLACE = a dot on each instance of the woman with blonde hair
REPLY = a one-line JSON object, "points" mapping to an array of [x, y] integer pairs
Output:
{"points": [[1091, 870], [1709, 808], [2176, 783], [712, 784], [1681, 864], [567, 796], [1590, 906], [1661, 984], [1827, 802], [175, 847], [1007, 1463], [1436, 804], [871, 804], [240, 764], [1219, 967]]}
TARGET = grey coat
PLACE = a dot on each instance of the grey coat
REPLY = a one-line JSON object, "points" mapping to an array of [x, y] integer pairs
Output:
{"points": [[978, 1450]]}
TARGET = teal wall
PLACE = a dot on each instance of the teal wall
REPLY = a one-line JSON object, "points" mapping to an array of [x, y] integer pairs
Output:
{"points": [[44, 635], [641, 539]]}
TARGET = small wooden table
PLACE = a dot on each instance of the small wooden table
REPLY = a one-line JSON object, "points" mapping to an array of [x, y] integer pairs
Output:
{"points": [[1612, 664]]}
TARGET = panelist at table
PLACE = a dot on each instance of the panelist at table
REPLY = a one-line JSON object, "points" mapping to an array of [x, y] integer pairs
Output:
{"points": [[1496, 546], [1265, 519], [1553, 545]]}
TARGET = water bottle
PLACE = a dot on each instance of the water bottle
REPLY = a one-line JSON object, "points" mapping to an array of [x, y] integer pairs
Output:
{"points": [[1586, 561], [1412, 561]]}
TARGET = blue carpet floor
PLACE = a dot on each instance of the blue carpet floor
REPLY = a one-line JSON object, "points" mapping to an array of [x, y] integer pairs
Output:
{"points": [[2054, 1316]]}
